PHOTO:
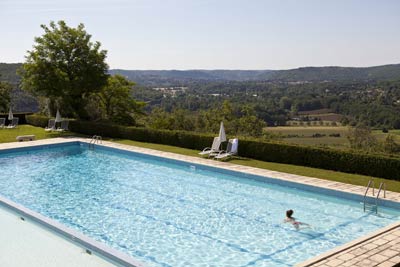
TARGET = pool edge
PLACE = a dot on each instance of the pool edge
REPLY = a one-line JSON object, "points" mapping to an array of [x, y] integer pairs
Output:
{"points": [[112, 255]]}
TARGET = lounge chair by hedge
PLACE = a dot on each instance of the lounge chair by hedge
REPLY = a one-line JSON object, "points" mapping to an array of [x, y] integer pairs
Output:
{"points": [[64, 126], [213, 149], [2, 122], [14, 123], [51, 126], [231, 149]]}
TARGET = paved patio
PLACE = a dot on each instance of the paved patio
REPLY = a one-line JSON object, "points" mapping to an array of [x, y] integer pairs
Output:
{"points": [[381, 251]]}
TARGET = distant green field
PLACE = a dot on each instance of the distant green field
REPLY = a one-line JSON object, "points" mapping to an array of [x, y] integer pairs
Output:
{"points": [[381, 136], [303, 135], [308, 130]]}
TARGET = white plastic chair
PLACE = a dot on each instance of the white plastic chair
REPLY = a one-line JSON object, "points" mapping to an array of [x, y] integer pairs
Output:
{"points": [[51, 126], [213, 149], [231, 149], [64, 126], [14, 123]]}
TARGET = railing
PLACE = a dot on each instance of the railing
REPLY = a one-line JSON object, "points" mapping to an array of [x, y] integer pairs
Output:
{"points": [[96, 139], [379, 191], [370, 184]]}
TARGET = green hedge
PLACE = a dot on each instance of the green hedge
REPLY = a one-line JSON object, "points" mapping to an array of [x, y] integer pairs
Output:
{"points": [[37, 120], [324, 158]]}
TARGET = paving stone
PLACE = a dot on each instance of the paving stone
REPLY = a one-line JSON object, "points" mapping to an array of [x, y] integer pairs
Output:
{"points": [[321, 264], [334, 262], [390, 253], [380, 242], [350, 263], [365, 263], [396, 247], [378, 258], [397, 232], [395, 259], [346, 257], [369, 246], [385, 264], [358, 251], [372, 252], [385, 247], [390, 237]]}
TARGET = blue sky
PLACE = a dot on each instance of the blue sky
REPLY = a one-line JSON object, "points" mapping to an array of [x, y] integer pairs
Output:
{"points": [[219, 34]]}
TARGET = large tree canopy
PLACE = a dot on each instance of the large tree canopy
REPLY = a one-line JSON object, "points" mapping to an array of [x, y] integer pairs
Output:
{"points": [[117, 102], [66, 67]]}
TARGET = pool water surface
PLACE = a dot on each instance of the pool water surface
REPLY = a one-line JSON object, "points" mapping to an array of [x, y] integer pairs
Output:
{"points": [[168, 213]]}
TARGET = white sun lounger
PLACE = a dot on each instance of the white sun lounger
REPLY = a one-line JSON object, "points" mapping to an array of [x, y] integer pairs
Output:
{"points": [[51, 126], [14, 123], [231, 149], [64, 126], [213, 149]]}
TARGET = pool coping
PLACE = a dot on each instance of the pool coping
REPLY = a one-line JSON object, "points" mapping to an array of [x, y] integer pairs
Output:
{"points": [[302, 180], [112, 255]]}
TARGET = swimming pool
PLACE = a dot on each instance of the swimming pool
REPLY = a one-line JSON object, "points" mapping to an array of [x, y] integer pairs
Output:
{"points": [[169, 213]]}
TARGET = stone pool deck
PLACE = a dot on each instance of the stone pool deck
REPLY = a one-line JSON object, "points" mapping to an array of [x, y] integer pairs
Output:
{"points": [[381, 248], [382, 251]]}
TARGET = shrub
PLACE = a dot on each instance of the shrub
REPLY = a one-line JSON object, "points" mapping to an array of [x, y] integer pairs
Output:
{"points": [[317, 135], [324, 158], [37, 120]]}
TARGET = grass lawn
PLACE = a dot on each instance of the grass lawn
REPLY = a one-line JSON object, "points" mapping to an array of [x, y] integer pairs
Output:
{"points": [[8, 135]]}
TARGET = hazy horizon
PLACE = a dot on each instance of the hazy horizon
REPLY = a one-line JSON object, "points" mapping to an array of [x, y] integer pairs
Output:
{"points": [[216, 35], [199, 69]]}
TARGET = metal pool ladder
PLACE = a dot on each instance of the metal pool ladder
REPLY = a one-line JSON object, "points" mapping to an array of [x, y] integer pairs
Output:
{"points": [[373, 206], [96, 139]]}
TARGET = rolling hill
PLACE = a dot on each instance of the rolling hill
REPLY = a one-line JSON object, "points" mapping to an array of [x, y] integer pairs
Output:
{"points": [[305, 74]]}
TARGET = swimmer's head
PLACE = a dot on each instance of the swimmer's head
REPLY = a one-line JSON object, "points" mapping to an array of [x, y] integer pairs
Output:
{"points": [[289, 213]]}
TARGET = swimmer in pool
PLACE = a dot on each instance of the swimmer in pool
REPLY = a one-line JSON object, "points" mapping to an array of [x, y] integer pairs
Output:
{"points": [[292, 220]]}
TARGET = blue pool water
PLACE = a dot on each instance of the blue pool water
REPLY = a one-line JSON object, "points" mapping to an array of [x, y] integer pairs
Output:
{"points": [[166, 213]]}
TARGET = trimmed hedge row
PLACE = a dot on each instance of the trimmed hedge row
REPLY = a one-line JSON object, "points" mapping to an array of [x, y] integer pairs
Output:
{"points": [[338, 160], [37, 120]]}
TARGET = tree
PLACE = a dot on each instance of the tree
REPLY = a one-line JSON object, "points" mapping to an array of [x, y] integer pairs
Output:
{"points": [[66, 67], [360, 137], [249, 124], [5, 96], [160, 119], [389, 145], [117, 101]]}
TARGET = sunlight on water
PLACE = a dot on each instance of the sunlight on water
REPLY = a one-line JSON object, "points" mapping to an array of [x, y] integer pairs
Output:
{"points": [[168, 214]]}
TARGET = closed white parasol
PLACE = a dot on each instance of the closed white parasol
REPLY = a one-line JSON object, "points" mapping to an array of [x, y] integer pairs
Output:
{"points": [[10, 115], [58, 116], [222, 135]]}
